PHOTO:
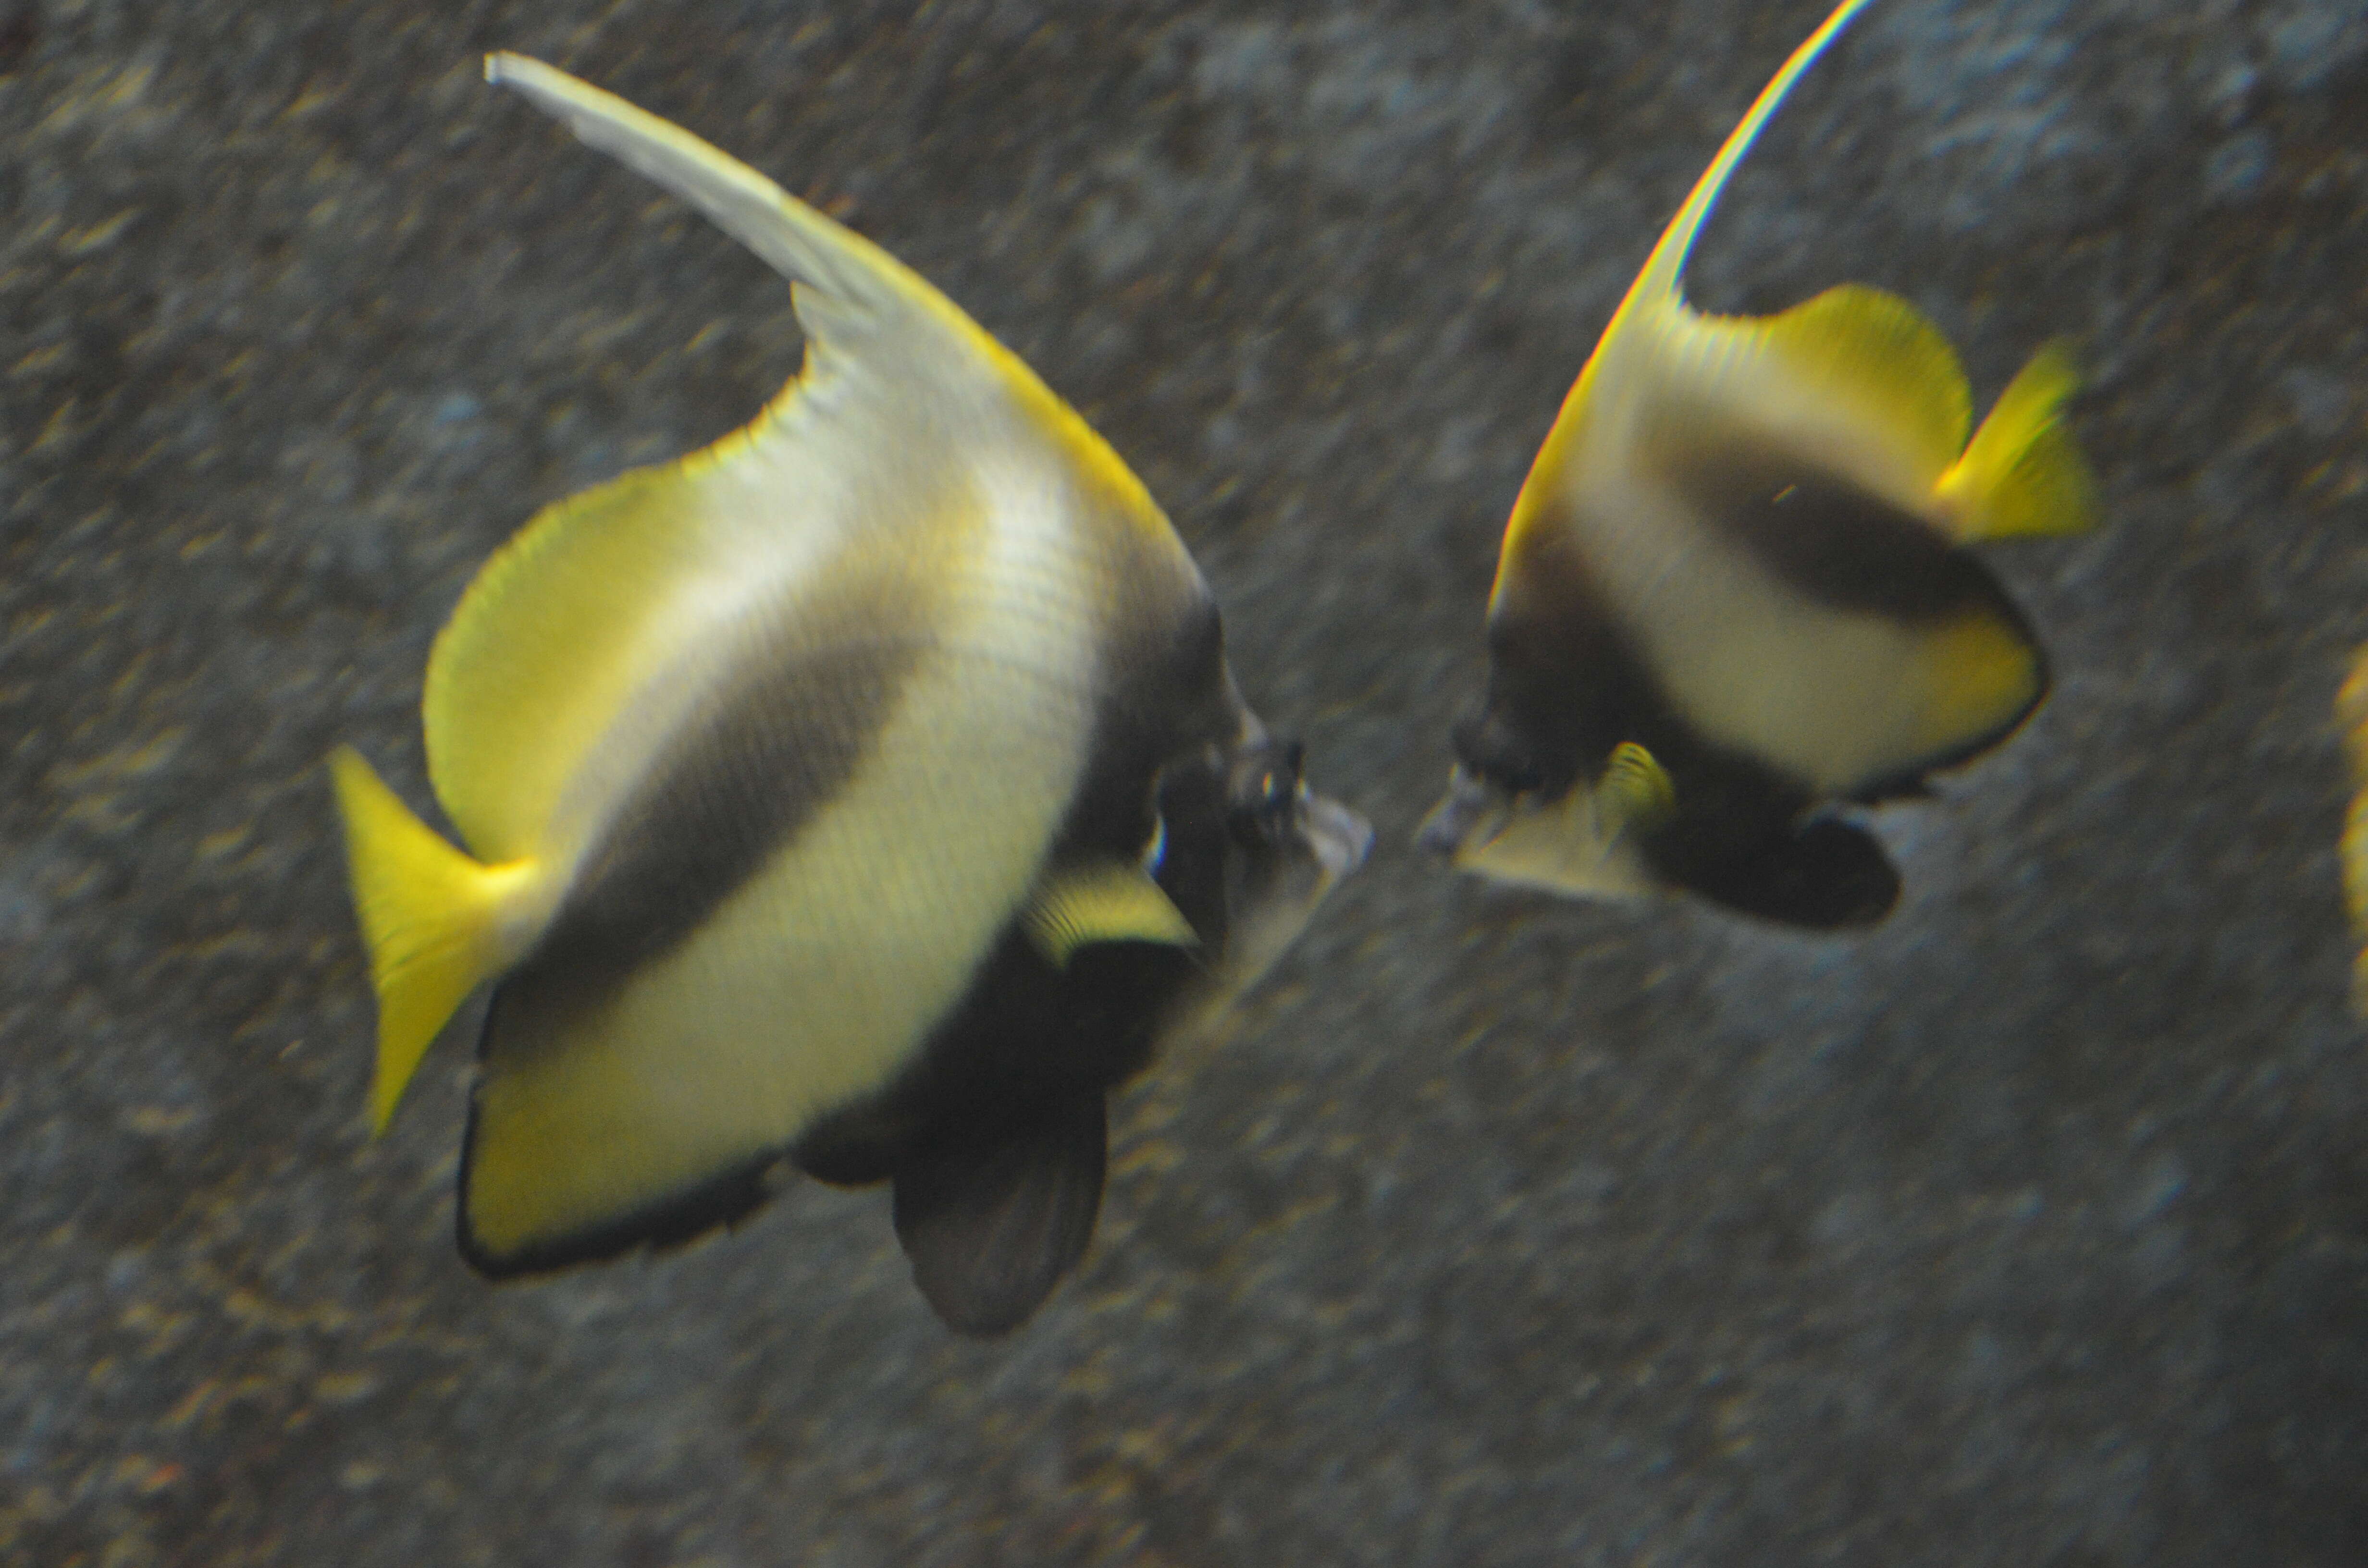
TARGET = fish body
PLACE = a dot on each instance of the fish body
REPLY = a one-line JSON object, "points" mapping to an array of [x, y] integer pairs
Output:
{"points": [[815, 793], [1737, 566]]}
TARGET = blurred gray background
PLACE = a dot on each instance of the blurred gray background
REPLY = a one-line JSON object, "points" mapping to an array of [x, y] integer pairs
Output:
{"points": [[2030, 1229]]}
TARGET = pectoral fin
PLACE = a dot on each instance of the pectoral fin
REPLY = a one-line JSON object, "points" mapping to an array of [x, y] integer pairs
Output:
{"points": [[1635, 794], [993, 1221], [1109, 900]]}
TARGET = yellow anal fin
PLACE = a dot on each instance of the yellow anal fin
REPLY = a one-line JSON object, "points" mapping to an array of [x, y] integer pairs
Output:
{"points": [[2023, 473], [437, 923], [1881, 360], [1635, 794], [1110, 901]]}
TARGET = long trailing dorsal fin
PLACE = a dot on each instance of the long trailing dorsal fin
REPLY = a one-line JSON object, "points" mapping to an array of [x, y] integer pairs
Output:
{"points": [[852, 287], [1664, 267], [852, 284], [1656, 301]]}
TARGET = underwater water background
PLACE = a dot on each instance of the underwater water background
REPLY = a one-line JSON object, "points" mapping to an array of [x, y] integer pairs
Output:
{"points": [[2029, 1228]]}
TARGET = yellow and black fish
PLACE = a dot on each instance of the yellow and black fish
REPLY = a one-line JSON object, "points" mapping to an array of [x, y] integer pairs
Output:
{"points": [[868, 789], [1734, 588]]}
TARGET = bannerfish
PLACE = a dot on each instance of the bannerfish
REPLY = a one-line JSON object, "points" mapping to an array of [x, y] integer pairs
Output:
{"points": [[867, 791], [2351, 717], [1734, 593]]}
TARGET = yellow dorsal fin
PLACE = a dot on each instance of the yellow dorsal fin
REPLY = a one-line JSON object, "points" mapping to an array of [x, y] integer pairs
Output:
{"points": [[1635, 794], [437, 923], [1877, 354], [1667, 262], [2023, 473], [1106, 901]]}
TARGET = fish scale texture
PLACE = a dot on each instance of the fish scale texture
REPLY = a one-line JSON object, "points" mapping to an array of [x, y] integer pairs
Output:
{"points": [[2031, 1228]]}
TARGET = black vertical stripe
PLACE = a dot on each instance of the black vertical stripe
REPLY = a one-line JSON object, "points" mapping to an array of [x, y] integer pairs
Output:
{"points": [[778, 739], [1825, 537]]}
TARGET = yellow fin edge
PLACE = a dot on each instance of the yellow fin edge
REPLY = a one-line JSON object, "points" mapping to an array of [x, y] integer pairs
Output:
{"points": [[437, 923], [2355, 894]]}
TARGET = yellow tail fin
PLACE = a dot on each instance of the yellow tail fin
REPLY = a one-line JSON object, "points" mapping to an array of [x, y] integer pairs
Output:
{"points": [[437, 923], [2023, 473]]}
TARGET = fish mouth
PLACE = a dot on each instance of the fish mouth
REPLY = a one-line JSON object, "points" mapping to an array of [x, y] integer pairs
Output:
{"points": [[1471, 814], [1337, 836]]}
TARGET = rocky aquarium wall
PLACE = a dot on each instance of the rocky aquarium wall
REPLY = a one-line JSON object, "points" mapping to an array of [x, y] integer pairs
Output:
{"points": [[2028, 1226]]}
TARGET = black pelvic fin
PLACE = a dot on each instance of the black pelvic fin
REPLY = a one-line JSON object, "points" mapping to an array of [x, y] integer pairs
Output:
{"points": [[993, 1218], [1827, 874]]}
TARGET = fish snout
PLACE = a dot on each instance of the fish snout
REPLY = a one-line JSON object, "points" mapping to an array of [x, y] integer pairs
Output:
{"points": [[1339, 837], [1452, 822]]}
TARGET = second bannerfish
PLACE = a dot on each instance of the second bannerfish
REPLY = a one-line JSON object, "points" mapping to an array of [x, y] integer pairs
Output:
{"points": [[1734, 593]]}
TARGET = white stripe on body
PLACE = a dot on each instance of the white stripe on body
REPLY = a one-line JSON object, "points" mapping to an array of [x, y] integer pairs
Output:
{"points": [[823, 975], [1832, 697]]}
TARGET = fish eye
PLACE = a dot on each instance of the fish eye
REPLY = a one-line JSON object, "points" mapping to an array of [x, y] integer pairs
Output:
{"points": [[1265, 791], [1282, 784]]}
